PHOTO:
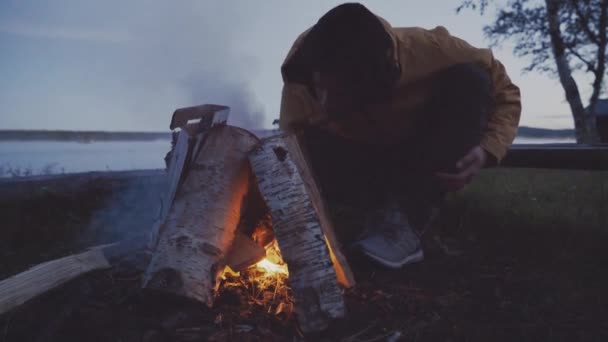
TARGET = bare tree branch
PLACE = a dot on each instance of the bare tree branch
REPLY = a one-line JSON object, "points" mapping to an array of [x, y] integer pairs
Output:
{"points": [[557, 36], [572, 50], [473, 4], [584, 22]]}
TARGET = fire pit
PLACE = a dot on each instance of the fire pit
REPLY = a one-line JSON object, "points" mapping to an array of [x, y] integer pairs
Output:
{"points": [[214, 170], [287, 259]]}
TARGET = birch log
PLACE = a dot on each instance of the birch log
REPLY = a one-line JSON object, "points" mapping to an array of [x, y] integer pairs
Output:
{"points": [[299, 233], [200, 227], [176, 165], [300, 158], [44, 277], [189, 141]]}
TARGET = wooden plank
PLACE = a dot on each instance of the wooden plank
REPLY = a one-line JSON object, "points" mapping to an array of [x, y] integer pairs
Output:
{"points": [[174, 175], [176, 165], [201, 224], [299, 156], [24, 286], [299, 234]]}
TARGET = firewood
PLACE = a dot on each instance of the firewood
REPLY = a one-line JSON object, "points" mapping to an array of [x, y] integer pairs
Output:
{"points": [[22, 287], [243, 253], [201, 224], [184, 148], [303, 231], [299, 156]]}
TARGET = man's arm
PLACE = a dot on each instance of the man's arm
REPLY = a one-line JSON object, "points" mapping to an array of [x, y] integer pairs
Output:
{"points": [[297, 109], [504, 119]]}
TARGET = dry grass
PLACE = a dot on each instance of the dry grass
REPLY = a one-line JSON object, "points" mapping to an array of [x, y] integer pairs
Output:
{"points": [[263, 284]]}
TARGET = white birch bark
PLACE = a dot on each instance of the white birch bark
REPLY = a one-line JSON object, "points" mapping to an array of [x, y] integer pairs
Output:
{"points": [[299, 234], [201, 224]]}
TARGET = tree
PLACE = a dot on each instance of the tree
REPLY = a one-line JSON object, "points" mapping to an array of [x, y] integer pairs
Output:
{"points": [[559, 37]]}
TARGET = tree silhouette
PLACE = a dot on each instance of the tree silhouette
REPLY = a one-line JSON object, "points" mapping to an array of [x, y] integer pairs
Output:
{"points": [[559, 37]]}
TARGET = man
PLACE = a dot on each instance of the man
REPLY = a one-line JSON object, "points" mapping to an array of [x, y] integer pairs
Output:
{"points": [[394, 118]]}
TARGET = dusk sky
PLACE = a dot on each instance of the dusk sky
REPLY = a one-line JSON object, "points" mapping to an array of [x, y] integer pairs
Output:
{"points": [[126, 65]]}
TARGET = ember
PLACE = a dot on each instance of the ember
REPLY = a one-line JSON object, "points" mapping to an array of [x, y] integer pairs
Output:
{"points": [[264, 283], [271, 267]]}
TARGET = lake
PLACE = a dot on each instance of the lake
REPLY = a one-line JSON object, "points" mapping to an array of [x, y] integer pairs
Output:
{"points": [[53, 157]]}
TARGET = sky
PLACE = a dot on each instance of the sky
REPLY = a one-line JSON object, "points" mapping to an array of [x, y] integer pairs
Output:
{"points": [[127, 65]]}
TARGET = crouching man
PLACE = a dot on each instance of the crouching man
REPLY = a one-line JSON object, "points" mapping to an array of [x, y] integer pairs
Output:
{"points": [[394, 118]]}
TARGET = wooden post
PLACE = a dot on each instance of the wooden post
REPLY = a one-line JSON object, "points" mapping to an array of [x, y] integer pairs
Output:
{"points": [[302, 230], [201, 224]]}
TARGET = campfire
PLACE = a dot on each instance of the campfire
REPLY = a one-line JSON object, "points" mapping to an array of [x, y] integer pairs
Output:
{"points": [[272, 264], [292, 264], [214, 167], [264, 283]]}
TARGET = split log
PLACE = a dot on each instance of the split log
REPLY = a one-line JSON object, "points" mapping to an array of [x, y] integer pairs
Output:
{"points": [[299, 157], [201, 224], [303, 231], [22, 287], [195, 122]]}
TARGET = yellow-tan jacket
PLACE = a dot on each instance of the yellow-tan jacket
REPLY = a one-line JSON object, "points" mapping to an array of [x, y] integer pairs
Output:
{"points": [[421, 53]]}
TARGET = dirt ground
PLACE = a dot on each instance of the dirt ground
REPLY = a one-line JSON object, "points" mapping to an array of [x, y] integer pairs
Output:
{"points": [[519, 256]]}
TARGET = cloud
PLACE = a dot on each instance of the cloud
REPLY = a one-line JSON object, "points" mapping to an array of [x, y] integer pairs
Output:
{"points": [[30, 30]]}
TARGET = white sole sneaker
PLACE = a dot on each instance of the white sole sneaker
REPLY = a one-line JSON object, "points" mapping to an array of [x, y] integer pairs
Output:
{"points": [[417, 256]]}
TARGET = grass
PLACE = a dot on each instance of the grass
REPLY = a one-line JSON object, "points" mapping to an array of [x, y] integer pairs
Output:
{"points": [[532, 268], [535, 199]]}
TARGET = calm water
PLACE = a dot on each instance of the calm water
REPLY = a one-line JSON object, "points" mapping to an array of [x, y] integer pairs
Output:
{"points": [[51, 157], [524, 140]]}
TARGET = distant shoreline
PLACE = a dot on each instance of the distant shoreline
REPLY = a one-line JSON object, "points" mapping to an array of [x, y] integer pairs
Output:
{"points": [[80, 136], [534, 132], [90, 136]]}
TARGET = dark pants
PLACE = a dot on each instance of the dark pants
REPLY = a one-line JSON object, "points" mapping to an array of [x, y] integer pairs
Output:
{"points": [[369, 176]]}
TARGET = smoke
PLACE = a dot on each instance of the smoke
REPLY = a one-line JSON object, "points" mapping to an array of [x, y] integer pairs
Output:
{"points": [[129, 208], [245, 111], [194, 50]]}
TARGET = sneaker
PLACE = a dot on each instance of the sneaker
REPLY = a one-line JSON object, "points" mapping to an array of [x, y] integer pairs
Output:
{"points": [[390, 240]]}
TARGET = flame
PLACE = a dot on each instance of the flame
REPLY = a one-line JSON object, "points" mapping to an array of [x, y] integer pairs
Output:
{"points": [[229, 271], [264, 283], [272, 268], [273, 262]]}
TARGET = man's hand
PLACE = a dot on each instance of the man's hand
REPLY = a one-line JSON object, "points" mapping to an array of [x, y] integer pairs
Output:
{"points": [[468, 167]]}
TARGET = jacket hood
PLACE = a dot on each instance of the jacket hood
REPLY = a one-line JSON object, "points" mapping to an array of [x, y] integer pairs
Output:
{"points": [[290, 67]]}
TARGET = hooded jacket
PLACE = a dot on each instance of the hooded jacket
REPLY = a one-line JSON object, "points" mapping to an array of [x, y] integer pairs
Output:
{"points": [[420, 53]]}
